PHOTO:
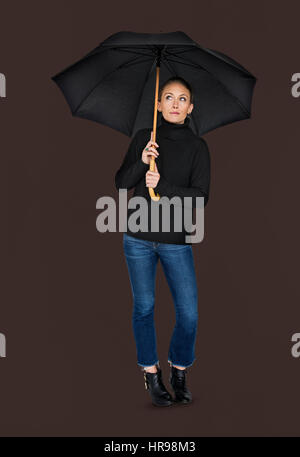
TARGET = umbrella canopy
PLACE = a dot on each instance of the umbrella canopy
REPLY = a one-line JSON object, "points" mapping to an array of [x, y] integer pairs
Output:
{"points": [[114, 84]]}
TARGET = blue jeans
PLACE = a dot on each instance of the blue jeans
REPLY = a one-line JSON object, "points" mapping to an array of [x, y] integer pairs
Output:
{"points": [[178, 265]]}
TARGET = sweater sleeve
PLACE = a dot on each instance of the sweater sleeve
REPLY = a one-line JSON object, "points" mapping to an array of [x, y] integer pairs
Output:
{"points": [[199, 181], [133, 168]]}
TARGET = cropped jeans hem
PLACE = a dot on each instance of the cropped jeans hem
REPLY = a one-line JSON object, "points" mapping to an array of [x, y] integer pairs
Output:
{"points": [[148, 364], [179, 364]]}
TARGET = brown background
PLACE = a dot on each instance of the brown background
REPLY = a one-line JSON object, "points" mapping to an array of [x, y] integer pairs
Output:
{"points": [[65, 294]]}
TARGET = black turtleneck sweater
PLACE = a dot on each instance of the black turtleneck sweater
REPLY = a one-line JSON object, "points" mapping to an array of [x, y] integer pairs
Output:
{"points": [[184, 167]]}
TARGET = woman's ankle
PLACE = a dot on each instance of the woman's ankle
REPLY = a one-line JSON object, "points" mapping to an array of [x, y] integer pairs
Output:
{"points": [[152, 369]]}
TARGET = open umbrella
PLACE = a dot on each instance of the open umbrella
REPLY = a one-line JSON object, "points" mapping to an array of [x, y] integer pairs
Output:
{"points": [[116, 84]]}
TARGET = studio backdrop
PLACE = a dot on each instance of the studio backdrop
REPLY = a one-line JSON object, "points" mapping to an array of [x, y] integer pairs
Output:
{"points": [[67, 350]]}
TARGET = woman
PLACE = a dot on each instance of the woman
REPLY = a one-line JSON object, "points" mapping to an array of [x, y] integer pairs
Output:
{"points": [[182, 169]]}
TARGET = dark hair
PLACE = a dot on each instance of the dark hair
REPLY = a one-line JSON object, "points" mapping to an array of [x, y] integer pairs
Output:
{"points": [[181, 81]]}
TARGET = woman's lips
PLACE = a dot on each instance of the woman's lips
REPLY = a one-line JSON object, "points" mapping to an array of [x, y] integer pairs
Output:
{"points": [[174, 113]]}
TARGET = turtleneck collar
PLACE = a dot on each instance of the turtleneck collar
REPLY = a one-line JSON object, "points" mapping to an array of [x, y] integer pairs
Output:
{"points": [[172, 130]]}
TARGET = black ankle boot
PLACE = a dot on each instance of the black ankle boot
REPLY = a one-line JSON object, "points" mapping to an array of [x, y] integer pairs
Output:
{"points": [[178, 383], [159, 394]]}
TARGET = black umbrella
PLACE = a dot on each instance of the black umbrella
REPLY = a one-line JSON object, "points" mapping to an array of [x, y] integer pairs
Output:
{"points": [[116, 84]]}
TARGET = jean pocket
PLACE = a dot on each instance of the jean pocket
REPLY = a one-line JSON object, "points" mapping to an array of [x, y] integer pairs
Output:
{"points": [[129, 238], [176, 247]]}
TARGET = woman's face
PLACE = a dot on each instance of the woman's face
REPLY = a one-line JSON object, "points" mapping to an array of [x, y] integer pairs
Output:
{"points": [[175, 103]]}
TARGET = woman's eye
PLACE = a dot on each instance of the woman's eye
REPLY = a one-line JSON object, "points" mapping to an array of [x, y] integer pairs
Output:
{"points": [[181, 98]]}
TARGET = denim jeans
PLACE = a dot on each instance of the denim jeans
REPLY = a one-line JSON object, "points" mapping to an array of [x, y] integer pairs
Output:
{"points": [[178, 266]]}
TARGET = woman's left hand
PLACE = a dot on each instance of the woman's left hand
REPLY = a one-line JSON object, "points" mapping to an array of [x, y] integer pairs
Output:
{"points": [[152, 177]]}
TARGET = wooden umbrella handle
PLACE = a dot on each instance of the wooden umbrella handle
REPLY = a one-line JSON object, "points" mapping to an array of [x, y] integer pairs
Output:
{"points": [[152, 160]]}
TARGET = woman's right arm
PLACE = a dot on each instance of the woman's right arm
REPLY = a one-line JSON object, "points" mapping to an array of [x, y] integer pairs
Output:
{"points": [[133, 167]]}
